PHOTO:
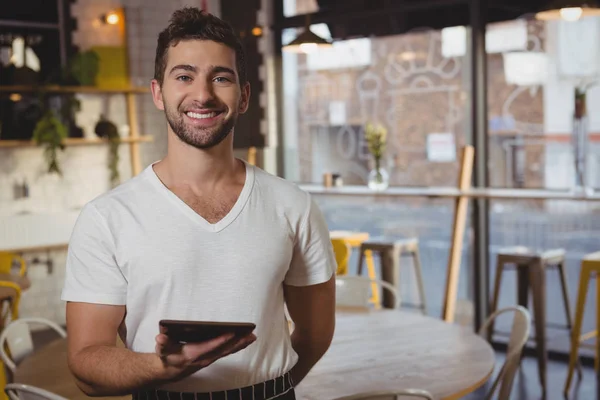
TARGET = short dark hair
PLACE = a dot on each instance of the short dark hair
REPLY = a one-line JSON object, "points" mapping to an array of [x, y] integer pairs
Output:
{"points": [[191, 23]]}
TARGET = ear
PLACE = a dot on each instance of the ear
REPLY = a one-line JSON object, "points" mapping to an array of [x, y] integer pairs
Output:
{"points": [[157, 95], [245, 100]]}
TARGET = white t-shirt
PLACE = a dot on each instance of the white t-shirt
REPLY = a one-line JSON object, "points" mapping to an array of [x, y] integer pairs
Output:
{"points": [[141, 246]]}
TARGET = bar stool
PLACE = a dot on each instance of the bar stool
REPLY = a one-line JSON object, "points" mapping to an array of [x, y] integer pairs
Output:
{"points": [[590, 267], [390, 251], [531, 266]]}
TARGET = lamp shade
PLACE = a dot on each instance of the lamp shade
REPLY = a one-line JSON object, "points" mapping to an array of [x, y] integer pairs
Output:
{"points": [[569, 10], [307, 42]]}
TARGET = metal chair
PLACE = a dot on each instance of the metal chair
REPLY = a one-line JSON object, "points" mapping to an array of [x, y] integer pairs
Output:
{"points": [[519, 334], [355, 291], [390, 395], [17, 337], [19, 391]]}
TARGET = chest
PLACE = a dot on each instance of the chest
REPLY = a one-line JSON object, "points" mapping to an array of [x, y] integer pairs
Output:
{"points": [[213, 207], [180, 258]]}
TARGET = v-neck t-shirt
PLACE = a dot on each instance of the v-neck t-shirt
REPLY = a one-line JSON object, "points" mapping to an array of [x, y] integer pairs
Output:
{"points": [[141, 246]]}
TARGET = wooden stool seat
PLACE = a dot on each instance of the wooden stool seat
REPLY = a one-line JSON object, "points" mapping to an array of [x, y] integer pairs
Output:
{"points": [[590, 268], [521, 255], [531, 266], [383, 244], [390, 251]]}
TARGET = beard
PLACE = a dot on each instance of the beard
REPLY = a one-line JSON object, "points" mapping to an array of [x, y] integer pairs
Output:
{"points": [[200, 138]]}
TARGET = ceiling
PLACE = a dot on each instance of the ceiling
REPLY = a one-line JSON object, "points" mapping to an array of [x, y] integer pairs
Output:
{"points": [[360, 18]]}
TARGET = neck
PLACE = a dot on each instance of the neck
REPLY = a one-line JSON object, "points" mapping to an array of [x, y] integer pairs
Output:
{"points": [[200, 168]]}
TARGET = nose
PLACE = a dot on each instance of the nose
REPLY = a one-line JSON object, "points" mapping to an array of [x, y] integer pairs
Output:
{"points": [[202, 91]]}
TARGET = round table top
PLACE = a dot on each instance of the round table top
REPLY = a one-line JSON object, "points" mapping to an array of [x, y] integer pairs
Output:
{"points": [[47, 368], [376, 350], [392, 350]]}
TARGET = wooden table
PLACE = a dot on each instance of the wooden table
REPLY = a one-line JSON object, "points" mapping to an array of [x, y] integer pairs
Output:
{"points": [[391, 349], [380, 350], [47, 368]]}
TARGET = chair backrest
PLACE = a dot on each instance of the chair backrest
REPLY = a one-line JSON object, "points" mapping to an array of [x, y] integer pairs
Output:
{"points": [[519, 334], [6, 263], [341, 249], [17, 337], [355, 291], [19, 391], [390, 395]]}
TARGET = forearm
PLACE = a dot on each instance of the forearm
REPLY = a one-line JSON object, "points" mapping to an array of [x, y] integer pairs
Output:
{"points": [[114, 371], [310, 350]]}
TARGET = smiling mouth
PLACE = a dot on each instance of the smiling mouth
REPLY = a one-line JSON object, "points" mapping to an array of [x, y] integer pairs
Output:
{"points": [[206, 115]]}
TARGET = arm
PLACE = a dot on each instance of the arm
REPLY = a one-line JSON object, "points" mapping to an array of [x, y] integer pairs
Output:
{"points": [[312, 308], [103, 369]]}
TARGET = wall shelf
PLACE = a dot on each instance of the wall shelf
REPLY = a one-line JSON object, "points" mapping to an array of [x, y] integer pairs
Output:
{"points": [[74, 142], [74, 89]]}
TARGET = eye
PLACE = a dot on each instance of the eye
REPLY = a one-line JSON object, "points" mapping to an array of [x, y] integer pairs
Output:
{"points": [[184, 78], [221, 79]]}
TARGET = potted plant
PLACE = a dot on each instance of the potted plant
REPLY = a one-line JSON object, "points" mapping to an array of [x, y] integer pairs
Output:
{"points": [[49, 132], [107, 130], [376, 136]]}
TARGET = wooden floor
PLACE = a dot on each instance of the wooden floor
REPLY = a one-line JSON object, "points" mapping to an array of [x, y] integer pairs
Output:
{"points": [[526, 387]]}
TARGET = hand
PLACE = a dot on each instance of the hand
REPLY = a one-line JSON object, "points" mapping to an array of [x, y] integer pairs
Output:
{"points": [[181, 360]]}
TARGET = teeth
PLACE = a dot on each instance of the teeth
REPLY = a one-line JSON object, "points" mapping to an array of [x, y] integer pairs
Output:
{"points": [[201, 116]]}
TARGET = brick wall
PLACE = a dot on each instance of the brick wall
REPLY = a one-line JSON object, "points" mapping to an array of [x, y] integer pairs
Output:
{"points": [[413, 91]]}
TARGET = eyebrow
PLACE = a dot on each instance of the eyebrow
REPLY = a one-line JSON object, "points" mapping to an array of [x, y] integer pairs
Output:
{"points": [[191, 68], [185, 67], [220, 69]]}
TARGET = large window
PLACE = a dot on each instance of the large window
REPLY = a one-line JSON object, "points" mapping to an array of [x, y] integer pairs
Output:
{"points": [[403, 82]]}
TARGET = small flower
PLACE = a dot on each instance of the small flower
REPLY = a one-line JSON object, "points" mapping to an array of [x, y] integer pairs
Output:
{"points": [[376, 136]]}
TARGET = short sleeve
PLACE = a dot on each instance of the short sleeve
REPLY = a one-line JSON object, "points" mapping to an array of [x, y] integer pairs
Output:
{"points": [[93, 275], [313, 261]]}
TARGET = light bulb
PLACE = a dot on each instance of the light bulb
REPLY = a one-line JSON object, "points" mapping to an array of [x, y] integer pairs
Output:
{"points": [[308, 47], [571, 13], [112, 18]]}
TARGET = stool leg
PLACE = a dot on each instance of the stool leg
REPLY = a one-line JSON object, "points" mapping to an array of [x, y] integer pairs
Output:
{"points": [[584, 280], [361, 260], [537, 280], [496, 294], [372, 275], [419, 276], [568, 315], [390, 266]]}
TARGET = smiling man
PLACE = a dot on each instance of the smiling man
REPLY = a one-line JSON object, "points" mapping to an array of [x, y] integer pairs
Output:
{"points": [[200, 236]]}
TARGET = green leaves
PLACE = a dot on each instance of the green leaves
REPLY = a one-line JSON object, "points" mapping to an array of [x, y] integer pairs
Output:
{"points": [[50, 133]]}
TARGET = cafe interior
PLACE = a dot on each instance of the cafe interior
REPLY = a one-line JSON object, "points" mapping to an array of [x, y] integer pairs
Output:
{"points": [[450, 144]]}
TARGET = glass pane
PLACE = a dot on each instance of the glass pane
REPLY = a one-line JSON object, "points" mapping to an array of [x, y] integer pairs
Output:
{"points": [[546, 225], [531, 100], [428, 220], [409, 83]]}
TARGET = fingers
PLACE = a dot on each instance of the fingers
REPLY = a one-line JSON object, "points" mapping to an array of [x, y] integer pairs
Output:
{"points": [[231, 347], [165, 346]]}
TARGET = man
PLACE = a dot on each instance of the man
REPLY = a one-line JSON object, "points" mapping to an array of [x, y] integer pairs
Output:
{"points": [[203, 236]]}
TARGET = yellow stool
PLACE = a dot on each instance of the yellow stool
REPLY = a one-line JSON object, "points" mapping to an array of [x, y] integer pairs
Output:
{"points": [[6, 262], [355, 240], [589, 266]]}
